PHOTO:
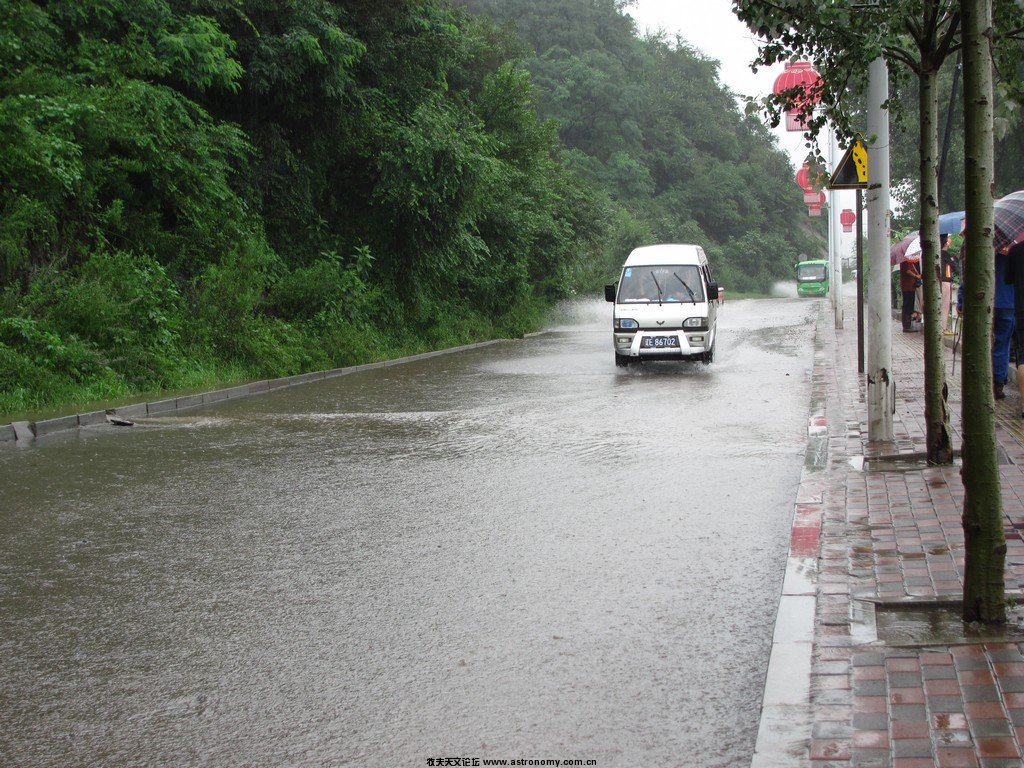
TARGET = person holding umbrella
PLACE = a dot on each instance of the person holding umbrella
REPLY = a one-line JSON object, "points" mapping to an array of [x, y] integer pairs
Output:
{"points": [[1003, 315], [949, 224], [1008, 239], [1015, 274], [1008, 215], [910, 279], [1002, 327], [1008, 218]]}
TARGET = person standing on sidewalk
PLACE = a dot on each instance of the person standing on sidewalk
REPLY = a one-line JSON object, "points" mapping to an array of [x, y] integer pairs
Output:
{"points": [[1015, 276], [947, 263], [1002, 327], [1002, 324], [910, 279]]}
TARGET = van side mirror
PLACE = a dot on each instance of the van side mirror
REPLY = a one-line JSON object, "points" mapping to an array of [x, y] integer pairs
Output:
{"points": [[609, 293], [712, 291]]}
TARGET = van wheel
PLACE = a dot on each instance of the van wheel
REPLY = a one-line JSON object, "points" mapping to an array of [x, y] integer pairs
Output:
{"points": [[621, 360], [708, 357]]}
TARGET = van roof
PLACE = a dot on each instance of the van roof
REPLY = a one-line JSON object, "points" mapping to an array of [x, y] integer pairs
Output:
{"points": [[668, 253]]}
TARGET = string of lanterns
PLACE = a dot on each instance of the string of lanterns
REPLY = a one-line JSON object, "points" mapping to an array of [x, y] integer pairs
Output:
{"points": [[801, 79]]}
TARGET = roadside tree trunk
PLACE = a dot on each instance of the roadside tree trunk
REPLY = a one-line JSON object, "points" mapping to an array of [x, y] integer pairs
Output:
{"points": [[940, 445], [984, 591]]}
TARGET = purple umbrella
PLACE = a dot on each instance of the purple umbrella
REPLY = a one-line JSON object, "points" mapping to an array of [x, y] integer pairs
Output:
{"points": [[1008, 213]]}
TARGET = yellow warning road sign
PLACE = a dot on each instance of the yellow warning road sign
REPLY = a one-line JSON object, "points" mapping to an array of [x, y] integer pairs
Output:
{"points": [[852, 170]]}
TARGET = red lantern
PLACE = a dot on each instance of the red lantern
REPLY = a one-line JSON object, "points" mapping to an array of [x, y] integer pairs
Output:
{"points": [[806, 179], [810, 178], [803, 178], [798, 74], [814, 208], [847, 218]]}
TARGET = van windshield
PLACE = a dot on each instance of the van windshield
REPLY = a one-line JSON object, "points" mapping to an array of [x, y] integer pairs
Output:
{"points": [[811, 273], [654, 284]]}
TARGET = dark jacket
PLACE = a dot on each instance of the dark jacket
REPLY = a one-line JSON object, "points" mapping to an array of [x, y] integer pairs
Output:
{"points": [[1009, 269], [1015, 277]]}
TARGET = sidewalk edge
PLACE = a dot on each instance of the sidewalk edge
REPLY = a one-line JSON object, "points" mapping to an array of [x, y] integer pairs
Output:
{"points": [[784, 731]]}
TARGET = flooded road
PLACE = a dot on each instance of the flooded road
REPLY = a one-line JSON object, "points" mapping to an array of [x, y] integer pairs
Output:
{"points": [[517, 552]]}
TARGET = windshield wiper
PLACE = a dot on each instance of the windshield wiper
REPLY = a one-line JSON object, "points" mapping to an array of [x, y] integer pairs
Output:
{"points": [[656, 286], [693, 297]]}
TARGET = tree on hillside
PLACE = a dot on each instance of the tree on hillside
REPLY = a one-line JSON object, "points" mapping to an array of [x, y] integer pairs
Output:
{"points": [[646, 121], [193, 191]]}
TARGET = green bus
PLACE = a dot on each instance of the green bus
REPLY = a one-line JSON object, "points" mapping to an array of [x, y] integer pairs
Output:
{"points": [[812, 277]]}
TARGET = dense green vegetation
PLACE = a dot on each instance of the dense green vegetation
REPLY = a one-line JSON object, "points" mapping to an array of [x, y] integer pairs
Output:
{"points": [[201, 191], [646, 122]]}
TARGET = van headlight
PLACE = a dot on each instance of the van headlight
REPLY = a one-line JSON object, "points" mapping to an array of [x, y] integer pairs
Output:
{"points": [[626, 324], [695, 323]]}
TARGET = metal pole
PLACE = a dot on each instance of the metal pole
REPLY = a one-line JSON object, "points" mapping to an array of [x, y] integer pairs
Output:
{"points": [[836, 260], [860, 281], [881, 385]]}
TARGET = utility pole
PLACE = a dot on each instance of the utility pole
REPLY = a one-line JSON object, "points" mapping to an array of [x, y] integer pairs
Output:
{"points": [[880, 384], [835, 258]]}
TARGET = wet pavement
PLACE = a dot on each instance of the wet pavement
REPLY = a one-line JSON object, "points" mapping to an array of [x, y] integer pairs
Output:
{"points": [[515, 552], [887, 686]]}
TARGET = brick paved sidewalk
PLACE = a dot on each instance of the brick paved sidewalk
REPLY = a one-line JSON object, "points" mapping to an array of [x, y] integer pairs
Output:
{"points": [[889, 534]]}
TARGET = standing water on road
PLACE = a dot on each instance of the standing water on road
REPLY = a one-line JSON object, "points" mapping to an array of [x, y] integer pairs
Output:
{"points": [[517, 552]]}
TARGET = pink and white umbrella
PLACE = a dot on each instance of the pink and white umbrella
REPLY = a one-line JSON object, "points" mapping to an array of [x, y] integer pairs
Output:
{"points": [[898, 252], [913, 252]]}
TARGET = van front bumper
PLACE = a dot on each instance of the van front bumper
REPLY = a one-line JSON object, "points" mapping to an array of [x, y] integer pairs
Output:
{"points": [[690, 344]]}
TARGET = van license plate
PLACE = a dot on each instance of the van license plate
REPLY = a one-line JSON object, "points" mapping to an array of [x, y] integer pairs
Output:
{"points": [[659, 342]]}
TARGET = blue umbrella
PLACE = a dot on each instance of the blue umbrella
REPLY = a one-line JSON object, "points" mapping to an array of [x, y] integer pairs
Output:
{"points": [[951, 223]]}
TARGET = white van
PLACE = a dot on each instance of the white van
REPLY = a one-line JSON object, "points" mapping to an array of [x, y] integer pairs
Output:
{"points": [[666, 305]]}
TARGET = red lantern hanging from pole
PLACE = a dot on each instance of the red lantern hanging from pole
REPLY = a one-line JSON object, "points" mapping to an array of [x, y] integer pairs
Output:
{"points": [[805, 179], [847, 218], [814, 208], [798, 74]]}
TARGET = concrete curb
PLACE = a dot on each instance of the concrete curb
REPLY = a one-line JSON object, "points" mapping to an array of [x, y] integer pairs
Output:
{"points": [[786, 710], [24, 432]]}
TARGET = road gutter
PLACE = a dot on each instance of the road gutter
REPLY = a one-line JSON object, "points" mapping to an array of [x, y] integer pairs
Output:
{"points": [[21, 433], [784, 732]]}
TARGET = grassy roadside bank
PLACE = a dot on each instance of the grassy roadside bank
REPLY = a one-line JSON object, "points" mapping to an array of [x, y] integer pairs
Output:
{"points": [[47, 387]]}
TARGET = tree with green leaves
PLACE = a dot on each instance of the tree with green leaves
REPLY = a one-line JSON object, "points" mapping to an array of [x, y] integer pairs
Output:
{"points": [[919, 35], [193, 192], [842, 41]]}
